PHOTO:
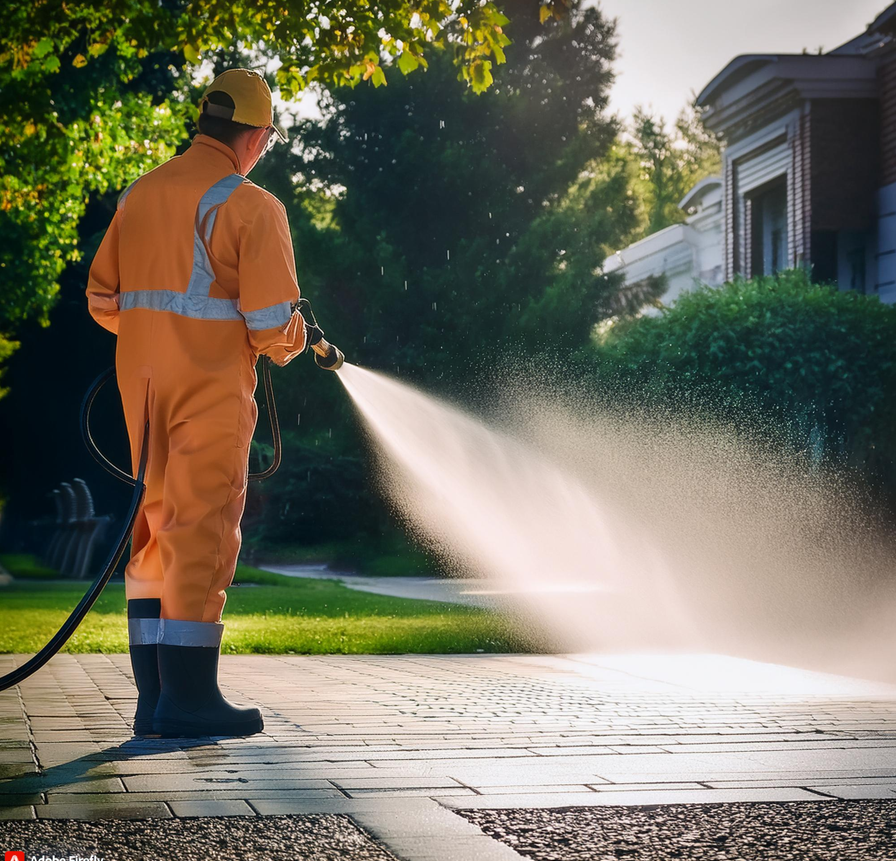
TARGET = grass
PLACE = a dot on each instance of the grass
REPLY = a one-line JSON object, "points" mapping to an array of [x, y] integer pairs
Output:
{"points": [[272, 614]]}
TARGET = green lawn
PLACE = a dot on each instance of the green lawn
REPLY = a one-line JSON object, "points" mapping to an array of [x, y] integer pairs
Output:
{"points": [[271, 614]]}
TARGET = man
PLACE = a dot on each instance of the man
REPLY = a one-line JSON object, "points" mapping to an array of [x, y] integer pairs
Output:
{"points": [[196, 276]]}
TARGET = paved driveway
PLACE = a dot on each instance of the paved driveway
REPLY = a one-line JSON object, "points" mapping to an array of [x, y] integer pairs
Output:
{"points": [[454, 590], [399, 741]]}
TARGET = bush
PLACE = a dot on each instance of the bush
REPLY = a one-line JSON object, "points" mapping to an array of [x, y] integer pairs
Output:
{"points": [[817, 363], [318, 496], [24, 566]]}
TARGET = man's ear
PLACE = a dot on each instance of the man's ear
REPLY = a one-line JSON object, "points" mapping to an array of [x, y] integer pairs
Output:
{"points": [[255, 138]]}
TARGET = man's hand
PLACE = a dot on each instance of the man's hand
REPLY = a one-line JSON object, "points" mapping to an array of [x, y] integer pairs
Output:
{"points": [[313, 333]]}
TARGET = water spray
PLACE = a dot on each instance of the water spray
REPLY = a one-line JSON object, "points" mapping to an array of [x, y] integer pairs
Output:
{"points": [[611, 529], [326, 356]]}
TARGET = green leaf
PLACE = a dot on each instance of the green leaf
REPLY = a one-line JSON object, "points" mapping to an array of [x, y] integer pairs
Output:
{"points": [[192, 54], [44, 46], [407, 62], [480, 75]]}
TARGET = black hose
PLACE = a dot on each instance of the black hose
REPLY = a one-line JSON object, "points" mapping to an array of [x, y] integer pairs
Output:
{"points": [[87, 437], [274, 420], [121, 475]]}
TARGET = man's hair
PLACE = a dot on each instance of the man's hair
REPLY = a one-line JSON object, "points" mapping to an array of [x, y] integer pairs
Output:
{"points": [[226, 131]]}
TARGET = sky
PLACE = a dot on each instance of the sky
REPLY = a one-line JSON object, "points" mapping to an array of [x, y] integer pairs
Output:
{"points": [[667, 48]]}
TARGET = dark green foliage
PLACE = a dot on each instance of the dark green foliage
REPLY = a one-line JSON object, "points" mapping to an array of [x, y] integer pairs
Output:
{"points": [[25, 566], [815, 363], [94, 93], [318, 495], [434, 226]]}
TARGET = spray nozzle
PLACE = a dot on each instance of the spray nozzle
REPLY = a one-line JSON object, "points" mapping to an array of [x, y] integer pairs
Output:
{"points": [[326, 355]]}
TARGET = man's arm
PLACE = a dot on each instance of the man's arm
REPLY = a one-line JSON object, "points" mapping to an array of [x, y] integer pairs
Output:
{"points": [[103, 280], [269, 288]]}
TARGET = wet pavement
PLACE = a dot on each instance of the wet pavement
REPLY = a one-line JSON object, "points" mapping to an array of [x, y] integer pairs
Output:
{"points": [[400, 742]]}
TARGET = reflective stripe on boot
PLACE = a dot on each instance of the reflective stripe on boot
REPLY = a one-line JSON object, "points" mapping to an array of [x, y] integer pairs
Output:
{"points": [[143, 638], [191, 704]]}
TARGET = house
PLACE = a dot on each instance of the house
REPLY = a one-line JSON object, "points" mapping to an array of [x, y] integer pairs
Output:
{"points": [[808, 173], [682, 252]]}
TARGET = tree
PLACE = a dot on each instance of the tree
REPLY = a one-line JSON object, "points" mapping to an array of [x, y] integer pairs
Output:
{"points": [[95, 92], [457, 226], [666, 165], [437, 231]]}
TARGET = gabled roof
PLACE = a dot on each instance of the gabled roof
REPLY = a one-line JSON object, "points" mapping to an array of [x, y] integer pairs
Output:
{"points": [[693, 197], [879, 31], [750, 71], [793, 67], [737, 69]]}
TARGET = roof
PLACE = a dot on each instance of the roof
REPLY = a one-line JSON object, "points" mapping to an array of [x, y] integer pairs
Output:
{"points": [[699, 191], [793, 66]]}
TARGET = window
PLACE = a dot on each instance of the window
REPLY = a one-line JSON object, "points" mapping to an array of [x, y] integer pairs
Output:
{"points": [[769, 230]]}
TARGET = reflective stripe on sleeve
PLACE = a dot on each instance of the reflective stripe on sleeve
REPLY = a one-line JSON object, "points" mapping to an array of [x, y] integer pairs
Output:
{"points": [[143, 632], [270, 317], [176, 632]]}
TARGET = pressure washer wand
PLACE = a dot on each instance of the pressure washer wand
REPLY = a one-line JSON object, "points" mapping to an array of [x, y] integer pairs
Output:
{"points": [[326, 355]]}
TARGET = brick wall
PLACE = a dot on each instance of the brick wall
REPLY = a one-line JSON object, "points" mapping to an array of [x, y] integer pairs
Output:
{"points": [[729, 250], [798, 197]]}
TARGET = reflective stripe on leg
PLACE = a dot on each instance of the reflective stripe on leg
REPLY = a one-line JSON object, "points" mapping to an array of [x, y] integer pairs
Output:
{"points": [[176, 632], [143, 632]]}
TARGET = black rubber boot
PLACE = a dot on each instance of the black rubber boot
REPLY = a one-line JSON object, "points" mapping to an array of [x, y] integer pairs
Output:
{"points": [[191, 704], [144, 659]]}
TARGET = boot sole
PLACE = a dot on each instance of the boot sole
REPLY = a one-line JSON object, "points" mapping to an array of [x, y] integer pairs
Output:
{"points": [[178, 729]]}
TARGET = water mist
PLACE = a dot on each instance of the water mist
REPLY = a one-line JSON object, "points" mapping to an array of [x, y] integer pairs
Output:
{"points": [[616, 531]]}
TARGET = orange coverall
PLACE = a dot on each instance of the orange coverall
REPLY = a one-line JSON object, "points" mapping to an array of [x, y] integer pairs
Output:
{"points": [[196, 276]]}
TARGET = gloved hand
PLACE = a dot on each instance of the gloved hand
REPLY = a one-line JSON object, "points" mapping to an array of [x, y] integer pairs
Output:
{"points": [[313, 333]]}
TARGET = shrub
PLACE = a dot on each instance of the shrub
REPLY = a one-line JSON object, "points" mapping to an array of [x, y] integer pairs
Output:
{"points": [[815, 362]]}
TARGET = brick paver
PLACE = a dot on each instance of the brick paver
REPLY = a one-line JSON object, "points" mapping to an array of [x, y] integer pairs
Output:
{"points": [[397, 741]]}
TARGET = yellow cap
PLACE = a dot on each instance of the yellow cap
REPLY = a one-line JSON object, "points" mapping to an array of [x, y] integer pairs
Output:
{"points": [[251, 97]]}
